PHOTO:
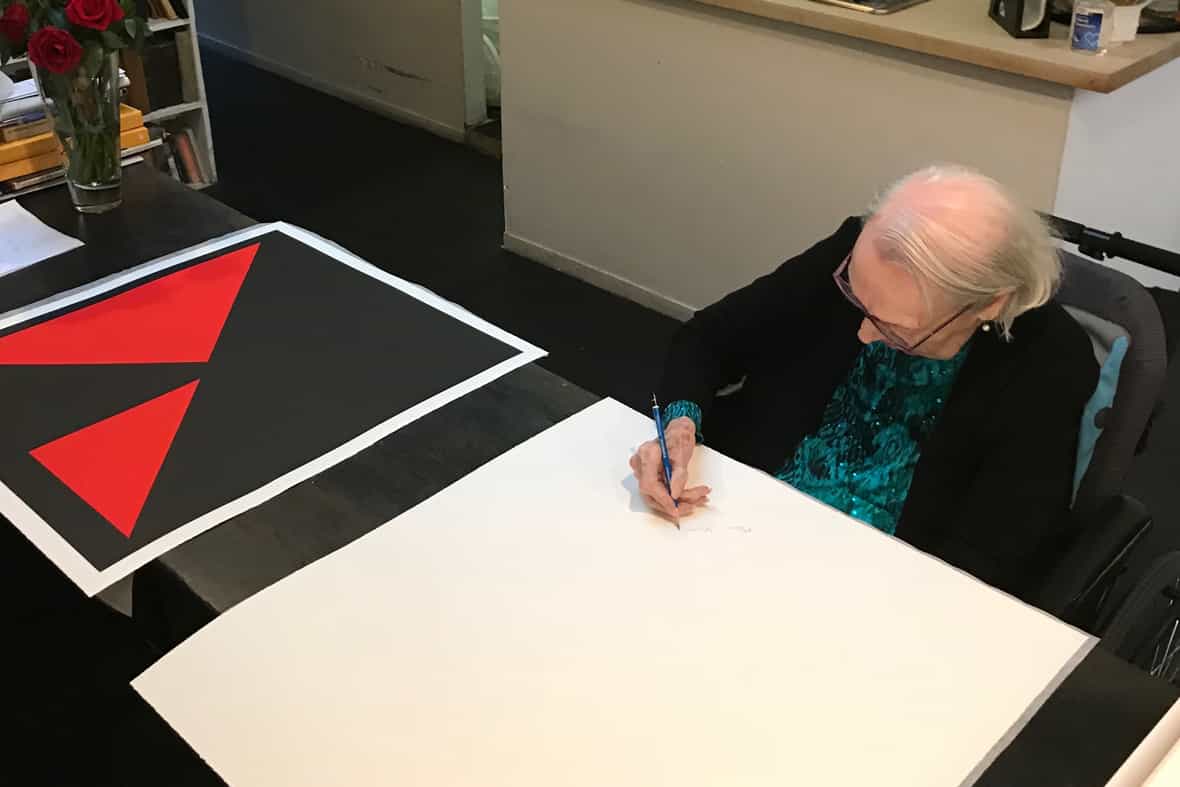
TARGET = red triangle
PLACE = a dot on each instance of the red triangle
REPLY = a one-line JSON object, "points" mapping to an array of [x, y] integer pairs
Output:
{"points": [[113, 464], [174, 319]]}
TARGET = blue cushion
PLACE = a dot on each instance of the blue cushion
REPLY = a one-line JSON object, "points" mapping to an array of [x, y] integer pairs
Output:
{"points": [[1092, 415]]}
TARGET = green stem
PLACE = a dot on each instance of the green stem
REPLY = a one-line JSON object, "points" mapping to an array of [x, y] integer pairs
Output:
{"points": [[88, 123]]}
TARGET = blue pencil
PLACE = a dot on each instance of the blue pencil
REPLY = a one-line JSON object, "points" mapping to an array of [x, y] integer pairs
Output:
{"points": [[659, 419]]}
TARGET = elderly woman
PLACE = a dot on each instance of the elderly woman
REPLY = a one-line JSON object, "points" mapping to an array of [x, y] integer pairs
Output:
{"points": [[910, 370]]}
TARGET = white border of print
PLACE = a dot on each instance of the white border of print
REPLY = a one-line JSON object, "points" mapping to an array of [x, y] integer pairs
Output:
{"points": [[90, 579]]}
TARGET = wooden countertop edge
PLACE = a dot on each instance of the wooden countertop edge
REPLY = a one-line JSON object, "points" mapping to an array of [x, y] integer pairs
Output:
{"points": [[1140, 67], [952, 50]]}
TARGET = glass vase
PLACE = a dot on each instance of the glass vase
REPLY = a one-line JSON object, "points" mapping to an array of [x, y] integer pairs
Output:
{"points": [[84, 106]]}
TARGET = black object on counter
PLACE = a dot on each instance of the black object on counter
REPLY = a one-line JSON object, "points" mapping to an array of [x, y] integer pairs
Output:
{"points": [[1009, 14]]}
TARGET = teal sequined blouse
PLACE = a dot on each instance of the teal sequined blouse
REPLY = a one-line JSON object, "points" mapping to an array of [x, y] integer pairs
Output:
{"points": [[861, 459]]}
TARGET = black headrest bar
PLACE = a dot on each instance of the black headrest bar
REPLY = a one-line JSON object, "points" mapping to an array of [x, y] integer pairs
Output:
{"points": [[1100, 245]]}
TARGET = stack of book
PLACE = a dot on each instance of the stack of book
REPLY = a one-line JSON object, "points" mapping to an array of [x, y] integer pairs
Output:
{"points": [[31, 155]]}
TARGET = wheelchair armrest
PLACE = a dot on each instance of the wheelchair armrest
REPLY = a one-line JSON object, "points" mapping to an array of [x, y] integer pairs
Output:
{"points": [[1077, 587]]}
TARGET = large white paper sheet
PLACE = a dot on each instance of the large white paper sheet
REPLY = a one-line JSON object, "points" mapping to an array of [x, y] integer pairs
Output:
{"points": [[533, 625], [92, 580], [25, 239]]}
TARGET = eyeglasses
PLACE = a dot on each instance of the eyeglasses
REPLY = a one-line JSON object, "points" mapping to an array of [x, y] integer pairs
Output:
{"points": [[891, 337]]}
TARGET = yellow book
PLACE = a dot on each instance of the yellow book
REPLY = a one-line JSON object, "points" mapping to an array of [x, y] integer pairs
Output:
{"points": [[129, 118], [44, 161], [31, 147]]}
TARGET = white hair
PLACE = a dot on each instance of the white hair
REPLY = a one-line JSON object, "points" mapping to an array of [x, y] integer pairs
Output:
{"points": [[964, 234]]}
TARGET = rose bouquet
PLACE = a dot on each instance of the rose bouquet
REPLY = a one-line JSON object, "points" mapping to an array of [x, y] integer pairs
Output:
{"points": [[73, 46]]}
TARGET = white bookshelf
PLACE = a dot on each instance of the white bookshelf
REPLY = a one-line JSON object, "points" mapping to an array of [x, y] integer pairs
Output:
{"points": [[193, 111], [176, 110], [160, 25]]}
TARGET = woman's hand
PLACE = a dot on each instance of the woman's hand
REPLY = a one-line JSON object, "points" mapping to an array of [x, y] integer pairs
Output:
{"points": [[648, 466]]}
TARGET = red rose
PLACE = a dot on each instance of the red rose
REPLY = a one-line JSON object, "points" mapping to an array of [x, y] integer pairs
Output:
{"points": [[54, 50], [15, 22], [95, 14]]}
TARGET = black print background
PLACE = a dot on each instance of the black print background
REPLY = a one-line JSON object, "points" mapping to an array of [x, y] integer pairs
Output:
{"points": [[313, 354]]}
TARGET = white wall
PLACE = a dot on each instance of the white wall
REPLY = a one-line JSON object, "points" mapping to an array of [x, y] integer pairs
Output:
{"points": [[1119, 171], [672, 152], [402, 58], [474, 84]]}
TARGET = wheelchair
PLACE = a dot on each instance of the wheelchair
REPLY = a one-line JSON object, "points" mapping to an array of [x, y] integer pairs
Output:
{"points": [[1132, 339]]}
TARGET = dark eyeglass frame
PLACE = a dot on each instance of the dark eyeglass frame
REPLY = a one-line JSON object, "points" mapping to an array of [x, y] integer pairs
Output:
{"points": [[892, 339]]}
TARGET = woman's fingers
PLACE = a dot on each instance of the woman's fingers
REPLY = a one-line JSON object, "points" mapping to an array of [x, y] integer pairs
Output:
{"points": [[679, 478], [648, 465], [648, 468], [659, 499], [675, 514]]}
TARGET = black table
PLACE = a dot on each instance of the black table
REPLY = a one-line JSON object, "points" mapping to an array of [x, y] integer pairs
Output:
{"points": [[1079, 737], [158, 216]]}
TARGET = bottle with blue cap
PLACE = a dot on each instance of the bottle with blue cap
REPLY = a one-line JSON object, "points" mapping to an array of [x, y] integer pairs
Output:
{"points": [[1089, 32]]}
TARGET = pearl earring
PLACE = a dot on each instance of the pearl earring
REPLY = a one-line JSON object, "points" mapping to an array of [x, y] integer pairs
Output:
{"points": [[987, 326]]}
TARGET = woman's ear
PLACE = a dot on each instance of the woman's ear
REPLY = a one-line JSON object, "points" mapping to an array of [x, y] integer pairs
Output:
{"points": [[992, 310]]}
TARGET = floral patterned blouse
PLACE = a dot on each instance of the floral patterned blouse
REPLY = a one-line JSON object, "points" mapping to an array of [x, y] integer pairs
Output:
{"points": [[862, 458]]}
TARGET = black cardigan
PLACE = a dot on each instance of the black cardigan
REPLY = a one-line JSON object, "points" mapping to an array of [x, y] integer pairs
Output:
{"points": [[992, 487]]}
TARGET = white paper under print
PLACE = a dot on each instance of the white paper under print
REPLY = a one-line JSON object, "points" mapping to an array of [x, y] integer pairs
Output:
{"points": [[50, 530]]}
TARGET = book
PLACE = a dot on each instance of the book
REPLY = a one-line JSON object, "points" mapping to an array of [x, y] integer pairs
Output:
{"points": [[169, 11], [25, 88], [43, 180], [157, 156], [137, 93], [54, 158], [36, 179], [30, 147], [27, 117], [202, 169], [13, 131], [186, 157], [129, 118], [161, 69], [175, 162], [172, 168], [45, 142], [25, 99]]}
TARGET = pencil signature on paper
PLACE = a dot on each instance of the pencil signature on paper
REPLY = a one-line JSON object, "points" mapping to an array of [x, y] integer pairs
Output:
{"points": [[709, 529]]}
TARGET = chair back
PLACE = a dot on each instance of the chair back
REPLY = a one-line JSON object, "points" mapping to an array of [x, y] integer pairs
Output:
{"points": [[1127, 332]]}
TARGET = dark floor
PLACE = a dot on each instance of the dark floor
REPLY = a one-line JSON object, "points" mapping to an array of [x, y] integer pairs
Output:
{"points": [[72, 719], [424, 208], [421, 207]]}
